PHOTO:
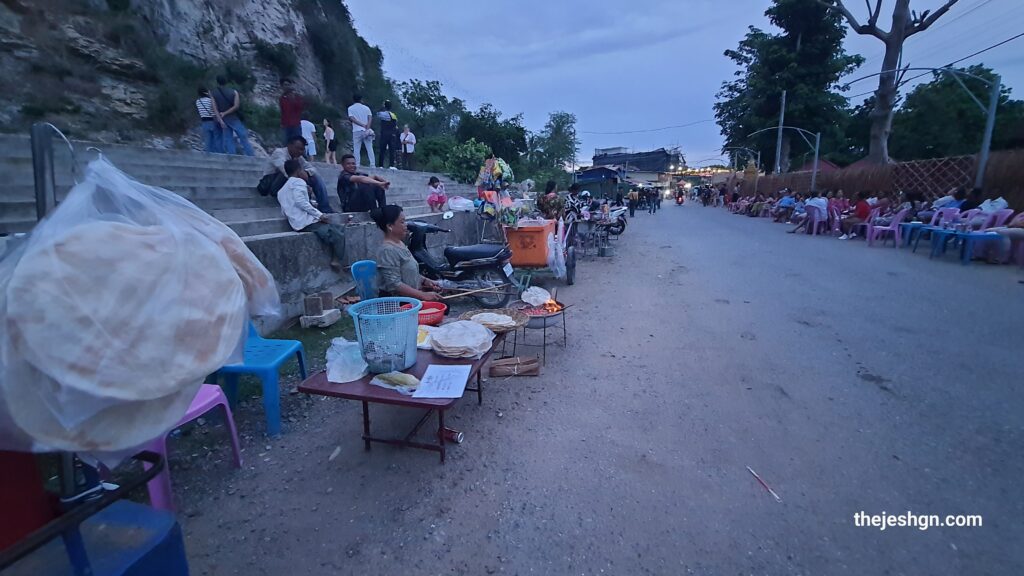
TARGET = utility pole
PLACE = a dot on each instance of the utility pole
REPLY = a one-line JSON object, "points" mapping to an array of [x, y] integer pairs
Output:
{"points": [[817, 148], [778, 139], [986, 140]]}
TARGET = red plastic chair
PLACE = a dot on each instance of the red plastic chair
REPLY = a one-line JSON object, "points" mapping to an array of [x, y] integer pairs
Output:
{"points": [[209, 397], [894, 227]]}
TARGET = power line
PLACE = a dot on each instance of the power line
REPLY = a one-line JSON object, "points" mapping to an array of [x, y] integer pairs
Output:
{"points": [[982, 51], [651, 129]]}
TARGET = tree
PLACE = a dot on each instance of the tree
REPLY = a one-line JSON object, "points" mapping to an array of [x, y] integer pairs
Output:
{"points": [[433, 113], [506, 138], [464, 160], [806, 59], [939, 119], [905, 23], [549, 153]]}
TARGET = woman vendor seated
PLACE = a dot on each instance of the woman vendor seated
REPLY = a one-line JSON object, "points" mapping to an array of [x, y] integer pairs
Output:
{"points": [[398, 273]]}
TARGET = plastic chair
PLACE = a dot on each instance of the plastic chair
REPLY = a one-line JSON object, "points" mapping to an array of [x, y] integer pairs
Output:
{"points": [[208, 398], [835, 218], [263, 359], [939, 218], [364, 273], [875, 231], [871, 216], [815, 219], [968, 240]]}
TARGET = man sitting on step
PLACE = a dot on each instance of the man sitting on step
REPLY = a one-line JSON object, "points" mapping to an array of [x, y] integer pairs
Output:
{"points": [[304, 217], [295, 150], [360, 192]]}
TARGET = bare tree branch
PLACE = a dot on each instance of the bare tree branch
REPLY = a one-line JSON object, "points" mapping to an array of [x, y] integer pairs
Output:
{"points": [[873, 16], [927, 19], [867, 29]]}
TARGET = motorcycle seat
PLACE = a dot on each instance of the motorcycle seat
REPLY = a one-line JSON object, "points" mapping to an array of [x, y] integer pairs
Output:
{"points": [[456, 254]]}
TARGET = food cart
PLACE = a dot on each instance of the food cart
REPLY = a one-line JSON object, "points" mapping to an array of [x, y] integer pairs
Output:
{"points": [[531, 252]]}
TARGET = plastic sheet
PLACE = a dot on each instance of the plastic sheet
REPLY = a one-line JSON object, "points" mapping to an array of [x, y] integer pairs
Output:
{"points": [[460, 204], [345, 361], [113, 312]]}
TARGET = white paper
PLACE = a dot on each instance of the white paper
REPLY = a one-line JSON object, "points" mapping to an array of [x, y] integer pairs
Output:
{"points": [[443, 381]]}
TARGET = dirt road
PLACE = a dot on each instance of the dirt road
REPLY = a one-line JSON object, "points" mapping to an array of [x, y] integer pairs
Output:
{"points": [[850, 379]]}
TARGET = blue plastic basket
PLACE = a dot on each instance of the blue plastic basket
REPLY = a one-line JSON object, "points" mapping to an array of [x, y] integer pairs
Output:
{"points": [[386, 333]]}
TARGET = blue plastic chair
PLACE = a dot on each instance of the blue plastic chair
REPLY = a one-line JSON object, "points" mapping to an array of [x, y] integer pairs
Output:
{"points": [[263, 359], [364, 273]]}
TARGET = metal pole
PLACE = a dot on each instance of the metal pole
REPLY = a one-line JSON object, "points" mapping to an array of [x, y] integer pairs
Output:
{"points": [[814, 175], [986, 140], [778, 139], [42, 169]]}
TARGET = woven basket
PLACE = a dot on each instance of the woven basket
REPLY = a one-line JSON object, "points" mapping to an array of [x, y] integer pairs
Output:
{"points": [[520, 318]]}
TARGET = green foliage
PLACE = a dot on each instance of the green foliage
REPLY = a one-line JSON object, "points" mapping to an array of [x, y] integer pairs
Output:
{"points": [[939, 118], [432, 153], [265, 120], [505, 137], [431, 112], [806, 59], [464, 160], [550, 153], [279, 57]]}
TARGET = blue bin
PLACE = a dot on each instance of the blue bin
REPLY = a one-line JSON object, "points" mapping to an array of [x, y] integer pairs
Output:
{"points": [[387, 332]]}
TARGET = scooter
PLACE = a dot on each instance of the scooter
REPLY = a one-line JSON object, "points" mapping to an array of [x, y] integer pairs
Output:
{"points": [[476, 267], [680, 199], [617, 220]]}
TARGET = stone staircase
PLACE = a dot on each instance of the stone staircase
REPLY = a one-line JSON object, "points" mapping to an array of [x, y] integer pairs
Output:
{"points": [[223, 186]]}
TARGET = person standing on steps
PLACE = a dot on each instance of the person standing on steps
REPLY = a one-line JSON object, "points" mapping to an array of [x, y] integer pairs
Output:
{"points": [[408, 149], [360, 192], [362, 131], [330, 143], [387, 145], [309, 133], [211, 122], [291, 106], [229, 104]]}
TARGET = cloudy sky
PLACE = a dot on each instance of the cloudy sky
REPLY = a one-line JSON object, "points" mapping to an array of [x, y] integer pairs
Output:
{"points": [[631, 67]]}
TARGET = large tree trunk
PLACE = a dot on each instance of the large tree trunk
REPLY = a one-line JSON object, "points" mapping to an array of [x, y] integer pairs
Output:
{"points": [[885, 96]]}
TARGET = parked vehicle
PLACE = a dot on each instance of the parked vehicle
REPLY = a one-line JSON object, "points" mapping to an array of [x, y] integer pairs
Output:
{"points": [[474, 267]]}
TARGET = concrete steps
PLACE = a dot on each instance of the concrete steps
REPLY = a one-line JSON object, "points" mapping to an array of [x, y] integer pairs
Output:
{"points": [[222, 185]]}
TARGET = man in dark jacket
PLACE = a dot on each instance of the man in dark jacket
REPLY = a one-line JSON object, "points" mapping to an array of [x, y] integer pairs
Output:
{"points": [[388, 144], [360, 192]]}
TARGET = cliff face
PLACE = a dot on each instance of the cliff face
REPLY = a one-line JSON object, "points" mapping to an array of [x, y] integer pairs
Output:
{"points": [[125, 70]]}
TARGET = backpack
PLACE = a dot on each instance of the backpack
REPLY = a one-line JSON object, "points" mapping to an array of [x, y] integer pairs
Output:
{"points": [[271, 184]]}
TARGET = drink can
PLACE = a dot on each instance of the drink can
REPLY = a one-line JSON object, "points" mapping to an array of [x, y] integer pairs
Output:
{"points": [[455, 436]]}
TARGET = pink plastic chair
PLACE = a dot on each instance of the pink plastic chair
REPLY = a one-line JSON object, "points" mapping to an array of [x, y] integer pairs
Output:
{"points": [[871, 216], [815, 219], [208, 398], [894, 227]]}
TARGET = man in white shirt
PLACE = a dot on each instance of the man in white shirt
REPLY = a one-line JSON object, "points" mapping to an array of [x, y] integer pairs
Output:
{"points": [[309, 133], [304, 217], [362, 134], [408, 149], [295, 150]]}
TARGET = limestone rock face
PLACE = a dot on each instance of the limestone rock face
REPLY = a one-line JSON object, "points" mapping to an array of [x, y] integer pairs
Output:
{"points": [[216, 30]]}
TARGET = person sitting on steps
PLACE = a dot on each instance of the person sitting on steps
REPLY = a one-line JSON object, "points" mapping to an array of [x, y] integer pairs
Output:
{"points": [[275, 176], [357, 191], [304, 217]]}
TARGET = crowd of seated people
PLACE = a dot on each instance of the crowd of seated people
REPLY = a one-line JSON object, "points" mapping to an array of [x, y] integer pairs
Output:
{"points": [[851, 215]]}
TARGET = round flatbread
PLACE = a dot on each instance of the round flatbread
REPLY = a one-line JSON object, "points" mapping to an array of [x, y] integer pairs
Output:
{"points": [[120, 324]]}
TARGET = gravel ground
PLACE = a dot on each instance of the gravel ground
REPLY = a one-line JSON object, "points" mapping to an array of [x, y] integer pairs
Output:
{"points": [[851, 379]]}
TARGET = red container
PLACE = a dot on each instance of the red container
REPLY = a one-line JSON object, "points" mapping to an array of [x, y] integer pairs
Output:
{"points": [[431, 314]]}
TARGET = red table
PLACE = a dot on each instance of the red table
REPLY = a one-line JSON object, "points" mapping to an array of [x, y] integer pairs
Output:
{"points": [[367, 393]]}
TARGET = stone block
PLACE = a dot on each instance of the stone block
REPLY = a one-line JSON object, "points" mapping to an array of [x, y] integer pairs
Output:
{"points": [[313, 306], [327, 299], [322, 321]]}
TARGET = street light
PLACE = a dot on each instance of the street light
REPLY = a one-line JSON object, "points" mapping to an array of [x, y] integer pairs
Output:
{"points": [[989, 111], [801, 131]]}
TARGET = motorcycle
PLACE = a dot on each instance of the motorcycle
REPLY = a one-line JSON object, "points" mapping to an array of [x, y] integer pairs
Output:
{"points": [[475, 267], [617, 220], [680, 199]]}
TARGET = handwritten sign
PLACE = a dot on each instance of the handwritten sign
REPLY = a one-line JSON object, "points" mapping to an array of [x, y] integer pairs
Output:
{"points": [[443, 381]]}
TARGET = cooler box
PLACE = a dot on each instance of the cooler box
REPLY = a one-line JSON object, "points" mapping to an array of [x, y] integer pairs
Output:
{"points": [[530, 244]]}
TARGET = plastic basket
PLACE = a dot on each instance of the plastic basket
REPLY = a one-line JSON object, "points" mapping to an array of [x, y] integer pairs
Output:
{"points": [[386, 332], [431, 314]]}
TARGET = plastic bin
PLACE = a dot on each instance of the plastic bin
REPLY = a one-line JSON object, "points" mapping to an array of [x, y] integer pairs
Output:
{"points": [[530, 244], [387, 332]]}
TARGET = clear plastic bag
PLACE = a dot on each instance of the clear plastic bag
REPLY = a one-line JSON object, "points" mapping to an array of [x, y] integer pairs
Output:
{"points": [[113, 312], [460, 204], [556, 258], [345, 361]]}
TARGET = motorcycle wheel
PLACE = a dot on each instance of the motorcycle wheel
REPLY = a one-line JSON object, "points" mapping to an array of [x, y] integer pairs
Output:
{"points": [[492, 299], [618, 227]]}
